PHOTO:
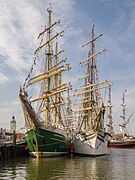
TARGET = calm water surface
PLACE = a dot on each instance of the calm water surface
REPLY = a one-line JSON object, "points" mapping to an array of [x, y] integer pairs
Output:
{"points": [[118, 165]]}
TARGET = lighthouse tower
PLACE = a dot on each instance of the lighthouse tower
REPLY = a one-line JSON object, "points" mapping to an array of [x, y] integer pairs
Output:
{"points": [[13, 124]]}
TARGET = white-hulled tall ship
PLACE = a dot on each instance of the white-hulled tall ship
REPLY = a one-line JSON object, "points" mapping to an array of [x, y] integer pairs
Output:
{"points": [[43, 97], [91, 138]]}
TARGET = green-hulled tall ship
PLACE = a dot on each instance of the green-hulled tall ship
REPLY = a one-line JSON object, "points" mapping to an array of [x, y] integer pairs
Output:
{"points": [[43, 97]]}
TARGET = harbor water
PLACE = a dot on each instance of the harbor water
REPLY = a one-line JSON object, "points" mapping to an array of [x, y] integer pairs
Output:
{"points": [[118, 165]]}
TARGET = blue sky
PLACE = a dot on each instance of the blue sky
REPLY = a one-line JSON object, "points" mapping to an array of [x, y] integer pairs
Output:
{"points": [[22, 20]]}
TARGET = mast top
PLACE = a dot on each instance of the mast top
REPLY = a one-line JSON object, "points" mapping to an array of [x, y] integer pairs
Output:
{"points": [[50, 8], [93, 25], [93, 36]]}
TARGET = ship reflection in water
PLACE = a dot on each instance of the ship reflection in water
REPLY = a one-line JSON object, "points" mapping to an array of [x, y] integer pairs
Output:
{"points": [[118, 165]]}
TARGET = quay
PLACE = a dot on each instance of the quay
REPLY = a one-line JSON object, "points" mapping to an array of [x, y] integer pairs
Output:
{"points": [[8, 149], [12, 143], [13, 148]]}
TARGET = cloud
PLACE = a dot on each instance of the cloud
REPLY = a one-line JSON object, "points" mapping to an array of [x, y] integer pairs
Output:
{"points": [[21, 22], [7, 110], [15, 45], [3, 79]]}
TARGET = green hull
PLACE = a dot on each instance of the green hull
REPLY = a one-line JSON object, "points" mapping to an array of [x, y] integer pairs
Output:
{"points": [[45, 143]]}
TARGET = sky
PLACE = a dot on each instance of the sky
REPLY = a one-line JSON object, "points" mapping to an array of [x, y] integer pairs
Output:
{"points": [[22, 20]]}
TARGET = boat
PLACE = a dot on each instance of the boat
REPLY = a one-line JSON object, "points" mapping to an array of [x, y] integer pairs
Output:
{"points": [[91, 137], [123, 139], [44, 96]]}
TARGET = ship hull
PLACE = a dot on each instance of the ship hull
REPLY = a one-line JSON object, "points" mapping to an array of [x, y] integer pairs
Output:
{"points": [[122, 144], [44, 143], [94, 146]]}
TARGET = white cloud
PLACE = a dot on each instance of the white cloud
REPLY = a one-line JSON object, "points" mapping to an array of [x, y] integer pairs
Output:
{"points": [[3, 79], [7, 110], [21, 21]]}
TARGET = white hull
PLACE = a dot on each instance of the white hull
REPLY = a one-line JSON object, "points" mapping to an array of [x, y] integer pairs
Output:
{"points": [[96, 145]]}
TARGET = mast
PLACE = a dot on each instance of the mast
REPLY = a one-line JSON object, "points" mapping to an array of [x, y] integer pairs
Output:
{"points": [[110, 125], [69, 118], [89, 80], [92, 109], [59, 100], [55, 85], [50, 98], [48, 64], [92, 80], [123, 115]]}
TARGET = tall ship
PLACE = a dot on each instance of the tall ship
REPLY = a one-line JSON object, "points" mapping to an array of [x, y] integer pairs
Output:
{"points": [[91, 137], [45, 98], [123, 139]]}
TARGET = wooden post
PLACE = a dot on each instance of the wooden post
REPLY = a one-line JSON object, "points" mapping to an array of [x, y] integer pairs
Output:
{"points": [[14, 143], [1, 157], [14, 138]]}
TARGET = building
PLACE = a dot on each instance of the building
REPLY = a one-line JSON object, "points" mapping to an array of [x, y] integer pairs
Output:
{"points": [[13, 124]]}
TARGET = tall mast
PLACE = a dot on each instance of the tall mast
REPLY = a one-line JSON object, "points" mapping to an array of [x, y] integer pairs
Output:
{"points": [[59, 99], [49, 99], [48, 63], [110, 126], [92, 51], [55, 83], [123, 114], [92, 73], [69, 117], [92, 109]]}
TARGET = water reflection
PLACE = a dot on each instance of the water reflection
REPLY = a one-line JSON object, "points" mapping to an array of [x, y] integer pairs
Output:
{"points": [[66, 168], [123, 161], [118, 165], [13, 169], [46, 168], [89, 168]]}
